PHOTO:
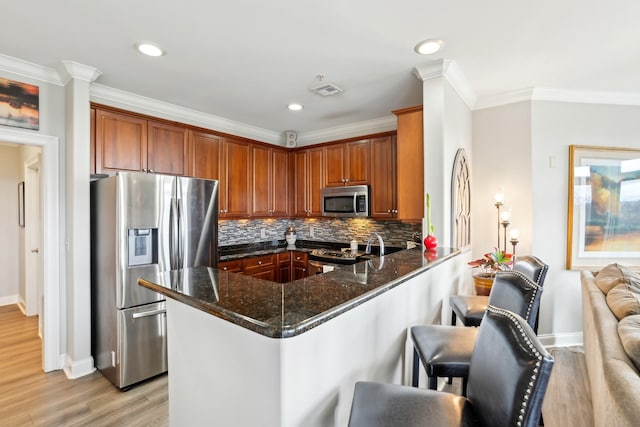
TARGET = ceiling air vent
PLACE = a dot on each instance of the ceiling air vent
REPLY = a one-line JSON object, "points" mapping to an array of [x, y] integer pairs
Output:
{"points": [[327, 89]]}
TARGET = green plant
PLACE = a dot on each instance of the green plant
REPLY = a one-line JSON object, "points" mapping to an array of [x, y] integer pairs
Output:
{"points": [[493, 261]]}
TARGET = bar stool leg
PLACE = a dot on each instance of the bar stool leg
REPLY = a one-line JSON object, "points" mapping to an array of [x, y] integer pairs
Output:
{"points": [[416, 369]]}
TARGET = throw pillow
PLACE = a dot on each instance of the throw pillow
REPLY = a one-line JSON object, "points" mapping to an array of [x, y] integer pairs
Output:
{"points": [[608, 277], [624, 298], [629, 331]]}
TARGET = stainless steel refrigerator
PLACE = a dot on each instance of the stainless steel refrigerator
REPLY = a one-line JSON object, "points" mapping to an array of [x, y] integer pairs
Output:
{"points": [[141, 225]]}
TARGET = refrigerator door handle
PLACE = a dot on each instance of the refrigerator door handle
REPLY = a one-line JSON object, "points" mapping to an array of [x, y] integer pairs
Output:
{"points": [[149, 313], [173, 234], [179, 249]]}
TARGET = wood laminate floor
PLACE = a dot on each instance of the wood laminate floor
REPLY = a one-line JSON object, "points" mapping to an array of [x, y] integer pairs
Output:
{"points": [[29, 397]]}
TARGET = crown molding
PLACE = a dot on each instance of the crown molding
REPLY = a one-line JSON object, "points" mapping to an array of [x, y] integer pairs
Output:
{"points": [[30, 70], [68, 70], [365, 127], [559, 95], [450, 70], [519, 95], [141, 104]]}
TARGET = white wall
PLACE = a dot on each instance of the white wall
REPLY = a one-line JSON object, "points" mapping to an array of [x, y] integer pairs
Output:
{"points": [[501, 158], [555, 126], [52, 114], [9, 229], [529, 138], [447, 127]]}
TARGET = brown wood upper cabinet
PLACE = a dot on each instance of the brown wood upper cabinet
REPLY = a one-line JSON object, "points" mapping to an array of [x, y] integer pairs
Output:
{"points": [[130, 143], [205, 155], [383, 177], [235, 180], [307, 175], [410, 164], [167, 149], [347, 164], [121, 142], [270, 181]]}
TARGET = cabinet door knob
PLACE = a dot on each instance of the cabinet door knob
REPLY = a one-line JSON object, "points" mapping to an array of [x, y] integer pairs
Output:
{"points": [[297, 258], [225, 268], [259, 262]]}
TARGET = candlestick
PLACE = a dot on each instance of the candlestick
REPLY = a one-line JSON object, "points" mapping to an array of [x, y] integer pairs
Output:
{"points": [[498, 204], [505, 224], [514, 241]]}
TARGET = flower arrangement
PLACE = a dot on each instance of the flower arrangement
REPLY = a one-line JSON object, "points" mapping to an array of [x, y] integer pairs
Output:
{"points": [[430, 241], [493, 261]]}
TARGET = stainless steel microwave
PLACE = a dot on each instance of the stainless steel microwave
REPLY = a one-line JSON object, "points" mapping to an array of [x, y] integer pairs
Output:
{"points": [[350, 201]]}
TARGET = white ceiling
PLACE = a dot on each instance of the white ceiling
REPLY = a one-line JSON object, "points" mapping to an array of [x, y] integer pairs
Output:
{"points": [[245, 60]]}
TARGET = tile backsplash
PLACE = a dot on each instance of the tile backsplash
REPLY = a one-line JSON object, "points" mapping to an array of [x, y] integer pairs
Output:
{"points": [[394, 233]]}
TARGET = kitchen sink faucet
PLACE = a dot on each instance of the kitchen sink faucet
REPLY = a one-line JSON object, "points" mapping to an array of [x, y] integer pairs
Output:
{"points": [[379, 237]]}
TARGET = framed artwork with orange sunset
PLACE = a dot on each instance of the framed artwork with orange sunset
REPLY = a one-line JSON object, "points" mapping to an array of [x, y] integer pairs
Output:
{"points": [[19, 104]]}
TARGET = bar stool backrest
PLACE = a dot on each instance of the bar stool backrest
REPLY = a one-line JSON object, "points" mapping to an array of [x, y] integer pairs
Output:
{"points": [[532, 267], [515, 292], [509, 371]]}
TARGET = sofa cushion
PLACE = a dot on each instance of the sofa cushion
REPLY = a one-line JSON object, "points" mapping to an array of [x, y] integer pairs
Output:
{"points": [[624, 298], [629, 331], [608, 277]]}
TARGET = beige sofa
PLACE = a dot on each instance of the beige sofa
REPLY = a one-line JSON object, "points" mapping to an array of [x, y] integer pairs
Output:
{"points": [[613, 375]]}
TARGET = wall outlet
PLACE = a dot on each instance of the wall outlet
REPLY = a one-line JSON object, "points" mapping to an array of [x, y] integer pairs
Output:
{"points": [[263, 233], [312, 231]]}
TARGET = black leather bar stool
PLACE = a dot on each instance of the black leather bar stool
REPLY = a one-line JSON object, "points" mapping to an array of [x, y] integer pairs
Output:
{"points": [[508, 379], [470, 308], [445, 351]]}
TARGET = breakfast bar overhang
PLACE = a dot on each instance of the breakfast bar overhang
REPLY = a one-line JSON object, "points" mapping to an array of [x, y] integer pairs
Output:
{"points": [[248, 352]]}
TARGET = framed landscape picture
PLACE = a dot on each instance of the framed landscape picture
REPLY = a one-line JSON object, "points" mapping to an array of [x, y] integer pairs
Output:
{"points": [[19, 104], [604, 207]]}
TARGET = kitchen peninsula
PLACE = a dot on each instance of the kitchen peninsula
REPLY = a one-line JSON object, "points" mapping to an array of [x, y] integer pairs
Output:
{"points": [[245, 351]]}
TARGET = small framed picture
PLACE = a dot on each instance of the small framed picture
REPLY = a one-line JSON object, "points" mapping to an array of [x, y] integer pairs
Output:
{"points": [[19, 104], [21, 204]]}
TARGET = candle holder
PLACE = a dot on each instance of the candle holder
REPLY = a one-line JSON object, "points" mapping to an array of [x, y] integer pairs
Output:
{"points": [[505, 224], [498, 206], [514, 241]]}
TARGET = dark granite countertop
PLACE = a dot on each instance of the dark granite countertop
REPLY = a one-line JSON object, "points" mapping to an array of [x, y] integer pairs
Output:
{"points": [[234, 252], [281, 310]]}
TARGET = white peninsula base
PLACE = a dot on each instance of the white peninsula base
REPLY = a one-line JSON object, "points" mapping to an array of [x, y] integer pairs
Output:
{"points": [[225, 375]]}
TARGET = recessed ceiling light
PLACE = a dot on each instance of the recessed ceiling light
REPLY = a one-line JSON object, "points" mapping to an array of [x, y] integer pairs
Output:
{"points": [[428, 47], [150, 49], [294, 107]]}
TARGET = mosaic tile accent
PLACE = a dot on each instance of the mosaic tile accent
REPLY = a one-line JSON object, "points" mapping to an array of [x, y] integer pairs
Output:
{"points": [[394, 233]]}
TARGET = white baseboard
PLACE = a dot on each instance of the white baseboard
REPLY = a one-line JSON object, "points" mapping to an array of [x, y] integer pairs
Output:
{"points": [[562, 339], [78, 368], [22, 305], [9, 300]]}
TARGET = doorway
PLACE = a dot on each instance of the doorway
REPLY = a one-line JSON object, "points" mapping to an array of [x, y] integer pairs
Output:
{"points": [[49, 248], [32, 260]]}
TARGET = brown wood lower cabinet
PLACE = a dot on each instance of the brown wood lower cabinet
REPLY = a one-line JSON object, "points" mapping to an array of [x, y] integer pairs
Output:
{"points": [[231, 266], [263, 267], [299, 264], [283, 267]]}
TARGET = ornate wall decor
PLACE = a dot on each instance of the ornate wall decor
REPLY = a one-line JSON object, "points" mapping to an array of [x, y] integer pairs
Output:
{"points": [[461, 201]]}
